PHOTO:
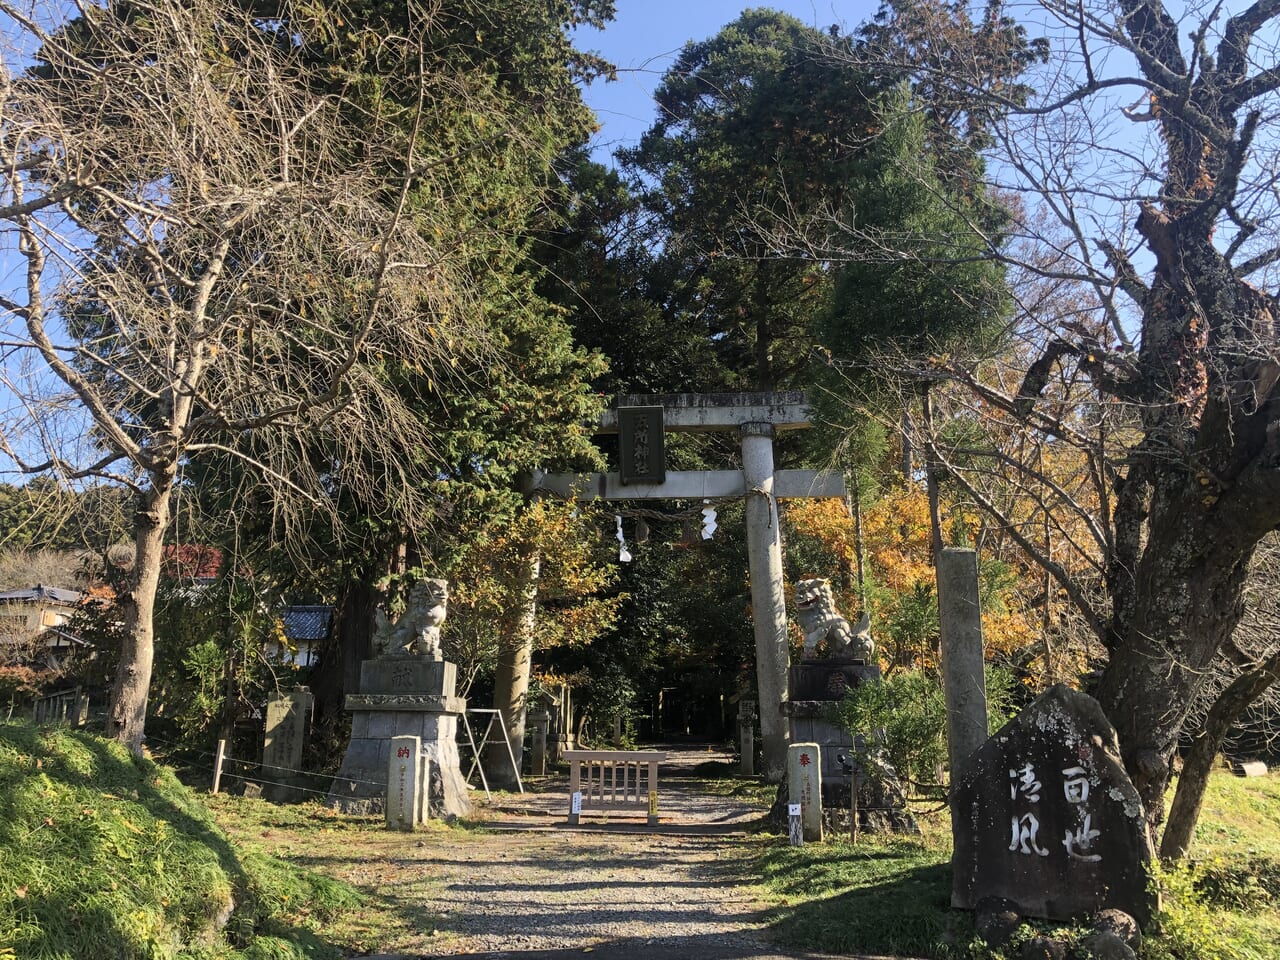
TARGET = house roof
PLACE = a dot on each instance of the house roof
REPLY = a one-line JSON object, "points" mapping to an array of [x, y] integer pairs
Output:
{"points": [[41, 594], [309, 623]]}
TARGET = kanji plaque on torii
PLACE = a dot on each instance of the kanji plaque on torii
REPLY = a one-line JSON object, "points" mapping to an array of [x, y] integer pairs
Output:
{"points": [[641, 449], [756, 417]]}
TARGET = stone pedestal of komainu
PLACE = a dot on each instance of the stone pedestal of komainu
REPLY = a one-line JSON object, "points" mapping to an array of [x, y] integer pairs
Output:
{"points": [[416, 632], [820, 620]]}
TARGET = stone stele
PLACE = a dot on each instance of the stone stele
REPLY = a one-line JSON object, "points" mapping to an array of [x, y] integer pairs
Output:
{"points": [[1045, 816]]}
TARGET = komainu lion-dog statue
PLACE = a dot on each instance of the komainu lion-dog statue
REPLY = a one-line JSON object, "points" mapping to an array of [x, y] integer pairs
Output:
{"points": [[820, 620], [417, 631]]}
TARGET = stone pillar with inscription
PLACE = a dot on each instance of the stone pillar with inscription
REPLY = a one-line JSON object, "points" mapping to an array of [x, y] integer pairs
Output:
{"points": [[963, 677], [747, 737], [804, 786], [539, 722], [282, 742], [402, 695], [404, 807]]}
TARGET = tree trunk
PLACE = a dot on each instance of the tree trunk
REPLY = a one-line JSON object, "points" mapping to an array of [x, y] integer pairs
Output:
{"points": [[511, 679], [762, 306], [854, 502], [908, 453], [350, 642], [127, 716], [1188, 601], [1198, 763]]}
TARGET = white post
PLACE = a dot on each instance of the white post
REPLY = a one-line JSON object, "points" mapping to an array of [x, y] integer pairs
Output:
{"points": [[403, 804], [217, 765], [768, 607], [804, 786]]}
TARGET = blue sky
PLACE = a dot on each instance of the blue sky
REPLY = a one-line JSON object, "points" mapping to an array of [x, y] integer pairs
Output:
{"points": [[646, 36]]}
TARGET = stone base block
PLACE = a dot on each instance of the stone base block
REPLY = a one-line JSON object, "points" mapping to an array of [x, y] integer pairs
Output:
{"points": [[408, 675], [361, 782], [828, 679], [809, 722]]}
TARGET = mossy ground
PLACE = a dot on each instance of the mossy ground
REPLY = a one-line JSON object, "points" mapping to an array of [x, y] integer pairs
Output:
{"points": [[106, 855]]}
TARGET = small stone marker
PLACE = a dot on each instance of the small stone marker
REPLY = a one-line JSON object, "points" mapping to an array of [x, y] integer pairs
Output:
{"points": [[804, 786], [282, 742], [1045, 816], [747, 736], [538, 756], [653, 808], [404, 783], [1253, 768]]}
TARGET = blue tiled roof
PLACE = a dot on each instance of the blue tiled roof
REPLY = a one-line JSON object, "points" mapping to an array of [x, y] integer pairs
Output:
{"points": [[306, 622]]}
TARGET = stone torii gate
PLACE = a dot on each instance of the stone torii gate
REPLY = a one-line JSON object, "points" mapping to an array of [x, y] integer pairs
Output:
{"points": [[756, 417]]}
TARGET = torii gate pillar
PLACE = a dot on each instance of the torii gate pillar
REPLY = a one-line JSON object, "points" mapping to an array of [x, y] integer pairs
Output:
{"points": [[768, 605]]}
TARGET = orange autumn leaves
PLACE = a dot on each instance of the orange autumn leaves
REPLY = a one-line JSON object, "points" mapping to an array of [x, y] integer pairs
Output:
{"points": [[900, 584]]}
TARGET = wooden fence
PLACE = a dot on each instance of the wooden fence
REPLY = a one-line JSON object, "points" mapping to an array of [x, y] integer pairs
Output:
{"points": [[625, 781], [62, 706]]}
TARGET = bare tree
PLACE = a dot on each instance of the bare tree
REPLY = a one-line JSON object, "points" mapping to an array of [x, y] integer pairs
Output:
{"points": [[1140, 162], [219, 260], [1244, 680], [50, 568]]}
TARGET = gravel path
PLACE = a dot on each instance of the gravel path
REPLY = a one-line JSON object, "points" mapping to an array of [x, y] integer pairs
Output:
{"points": [[536, 889]]}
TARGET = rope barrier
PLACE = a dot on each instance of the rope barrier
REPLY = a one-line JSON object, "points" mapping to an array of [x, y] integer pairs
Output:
{"points": [[255, 763]]}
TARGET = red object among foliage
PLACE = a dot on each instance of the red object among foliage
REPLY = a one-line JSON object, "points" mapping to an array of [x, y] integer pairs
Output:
{"points": [[192, 561]]}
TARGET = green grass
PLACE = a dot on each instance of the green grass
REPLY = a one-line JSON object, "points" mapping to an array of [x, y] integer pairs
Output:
{"points": [[105, 855], [385, 866], [891, 896], [882, 895], [102, 854]]}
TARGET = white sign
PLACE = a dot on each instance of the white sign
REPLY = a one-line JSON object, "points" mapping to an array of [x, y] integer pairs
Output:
{"points": [[575, 802], [793, 809]]}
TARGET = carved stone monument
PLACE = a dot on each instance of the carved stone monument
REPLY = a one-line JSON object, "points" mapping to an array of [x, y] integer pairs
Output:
{"points": [[822, 623], [408, 690], [417, 632], [283, 738], [1045, 816], [826, 671]]}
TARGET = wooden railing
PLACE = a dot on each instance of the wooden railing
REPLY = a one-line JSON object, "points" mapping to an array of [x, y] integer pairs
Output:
{"points": [[62, 706], [609, 780]]}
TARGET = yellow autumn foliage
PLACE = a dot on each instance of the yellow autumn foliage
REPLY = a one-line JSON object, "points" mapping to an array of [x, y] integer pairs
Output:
{"points": [[901, 592], [489, 579]]}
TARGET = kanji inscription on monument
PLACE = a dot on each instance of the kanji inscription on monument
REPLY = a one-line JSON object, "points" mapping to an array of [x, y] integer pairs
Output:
{"points": [[405, 783], [1044, 815]]}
